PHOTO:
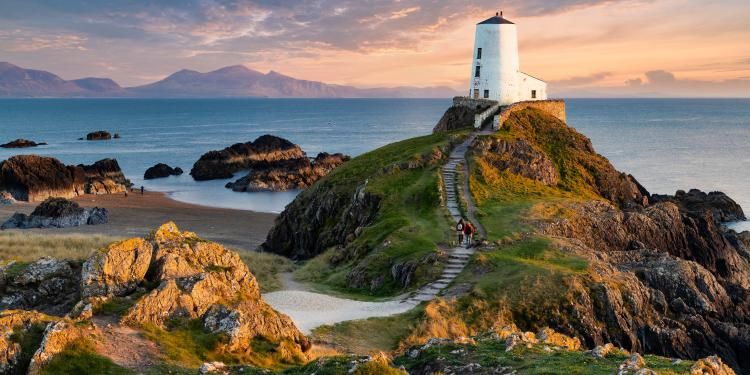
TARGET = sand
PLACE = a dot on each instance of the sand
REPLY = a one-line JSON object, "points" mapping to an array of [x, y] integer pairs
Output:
{"points": [[139, 214]]}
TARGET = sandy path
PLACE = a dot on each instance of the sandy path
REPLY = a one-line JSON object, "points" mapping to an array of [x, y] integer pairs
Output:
{"points": [[124, 345], [310, 309], [139, 214]]}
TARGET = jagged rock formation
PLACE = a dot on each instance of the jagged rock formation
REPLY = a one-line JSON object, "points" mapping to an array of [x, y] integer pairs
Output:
{"points": [[287, 175], [161, 170], [48, 285], [99, 135], [57, 337], [15, 322], [35, 178], [275, 164], [262, 152], [457, 117], [116, 270], [57, 213], [22, 143]]}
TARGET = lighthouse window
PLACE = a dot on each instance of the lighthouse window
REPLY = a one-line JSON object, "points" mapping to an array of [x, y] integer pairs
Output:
{"points": [[476, 72], [479, 53], [533, 94], [486, 94]]}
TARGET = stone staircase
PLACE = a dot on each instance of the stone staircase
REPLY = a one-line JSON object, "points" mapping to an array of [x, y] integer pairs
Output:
{"points": [[459, 255]]}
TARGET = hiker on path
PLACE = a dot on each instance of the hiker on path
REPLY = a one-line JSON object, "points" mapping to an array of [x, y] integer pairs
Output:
{"points": [[460, 231], [468, 233]]}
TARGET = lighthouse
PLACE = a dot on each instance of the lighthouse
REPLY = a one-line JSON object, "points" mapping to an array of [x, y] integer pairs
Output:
{"points": [[495, 68]]}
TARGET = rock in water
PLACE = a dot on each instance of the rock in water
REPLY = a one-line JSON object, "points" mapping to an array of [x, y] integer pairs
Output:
{"points": [[275, 164], [35, 178], [21, 143], [100, 135], [161, 170], [57, 213], [288, 175]]}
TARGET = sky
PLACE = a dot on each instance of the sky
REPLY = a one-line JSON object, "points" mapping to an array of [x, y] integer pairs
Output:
{"points": [[584, 48]]}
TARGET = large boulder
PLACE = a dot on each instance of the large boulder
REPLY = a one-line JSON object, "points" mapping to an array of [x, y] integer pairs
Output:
{"points": [[35, 178], [117, 269], [202, 280], [57, 213], [48, 285], [58, 336], [161, 170]]}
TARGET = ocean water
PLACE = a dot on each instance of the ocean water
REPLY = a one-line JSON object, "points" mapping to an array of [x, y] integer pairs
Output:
{"points": [[667, 144]]}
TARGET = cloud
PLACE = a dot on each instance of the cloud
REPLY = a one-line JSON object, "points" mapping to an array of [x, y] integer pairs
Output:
{"points": [[659, 83], [581, 80]]}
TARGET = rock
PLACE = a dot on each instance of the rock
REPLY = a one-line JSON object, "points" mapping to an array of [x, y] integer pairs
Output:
{"points": [[696, 202], [457, 117], [274, 164], [48, 285], [116, 136], [203, 280], [550, 337], [57, 337], [100, 135], [161, 170], [518, 157], [35, 178], [12, 322], [116, 270], [57, 213], [601, 351], [21, 143], [634, 363], [712, 365], [212, 367], [262, 152], [6, 198]]}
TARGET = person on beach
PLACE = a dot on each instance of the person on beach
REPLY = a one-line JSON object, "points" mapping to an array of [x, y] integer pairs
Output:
{"points": [[460, 231], [468, 233], [141, 190]]}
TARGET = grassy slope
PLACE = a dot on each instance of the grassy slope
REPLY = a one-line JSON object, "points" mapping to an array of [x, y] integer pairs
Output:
{"points": [[28, 247], [409, 225]]}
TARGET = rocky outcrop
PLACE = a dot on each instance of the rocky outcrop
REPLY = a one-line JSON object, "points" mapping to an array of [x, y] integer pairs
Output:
{"points": [[14, 322], [696, 202], [161, 170], [288, 175], [99, 135], [116, 270], [57, 213], [21, 143], [519, 157], [274, 164], [262, 152], [457, 117], [201, 280], [35, 178], [57, 337], [48, 285]]}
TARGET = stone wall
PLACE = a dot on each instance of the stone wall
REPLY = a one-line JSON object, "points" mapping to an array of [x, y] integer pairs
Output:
{"points": [[464, 101], [555, 107]]}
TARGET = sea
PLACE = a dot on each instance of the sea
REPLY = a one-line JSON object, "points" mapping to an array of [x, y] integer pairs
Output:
{"points": [[667, 144]]}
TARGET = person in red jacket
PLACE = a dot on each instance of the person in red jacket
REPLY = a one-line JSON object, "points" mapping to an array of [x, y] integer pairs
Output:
{"points": [[468, 233]]}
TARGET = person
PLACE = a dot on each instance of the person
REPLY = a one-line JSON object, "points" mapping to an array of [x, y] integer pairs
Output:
{"points": [[468, 233], [141, 190], [460, 231]]}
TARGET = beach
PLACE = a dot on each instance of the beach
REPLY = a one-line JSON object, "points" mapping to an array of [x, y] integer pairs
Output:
{"points": [[137, 215]]}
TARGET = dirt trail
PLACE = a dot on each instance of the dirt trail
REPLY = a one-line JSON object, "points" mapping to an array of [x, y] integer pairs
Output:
{"points": [[125, 346]]}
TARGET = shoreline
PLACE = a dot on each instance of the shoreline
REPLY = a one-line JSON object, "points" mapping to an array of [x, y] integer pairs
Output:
{"points": [[137, 215]]}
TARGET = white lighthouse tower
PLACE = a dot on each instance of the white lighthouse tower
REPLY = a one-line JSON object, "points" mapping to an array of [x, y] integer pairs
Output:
{"points": [[495, 70]]}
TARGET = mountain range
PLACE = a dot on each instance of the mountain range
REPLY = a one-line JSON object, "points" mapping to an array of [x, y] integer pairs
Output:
{"points": [[231, 81]]}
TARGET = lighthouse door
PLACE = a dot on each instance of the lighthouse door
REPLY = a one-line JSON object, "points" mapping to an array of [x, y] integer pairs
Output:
{"points": [[476, 93]]}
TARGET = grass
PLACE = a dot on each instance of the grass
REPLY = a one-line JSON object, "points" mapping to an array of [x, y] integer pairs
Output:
{"points": [[408, 227], [266, 267], [534, 361], [28, 247], [81, 358], [185, 343], [368, 336]]}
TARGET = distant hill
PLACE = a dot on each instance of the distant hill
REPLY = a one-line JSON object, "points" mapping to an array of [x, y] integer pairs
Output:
{"points": [[231, 81]]}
